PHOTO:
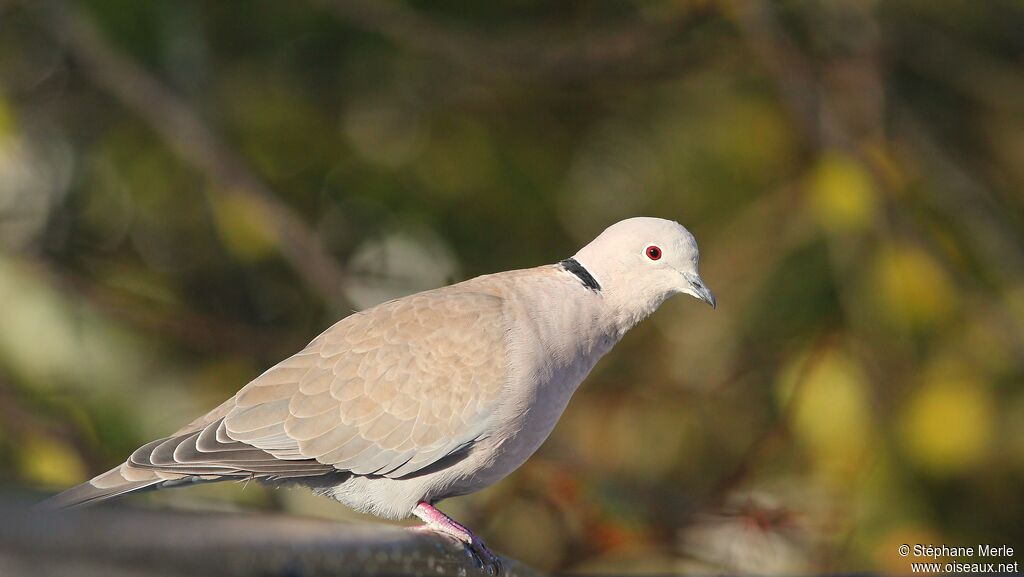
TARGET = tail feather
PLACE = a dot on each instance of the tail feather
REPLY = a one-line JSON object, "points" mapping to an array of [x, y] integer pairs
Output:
{"points": [[114, 483]]}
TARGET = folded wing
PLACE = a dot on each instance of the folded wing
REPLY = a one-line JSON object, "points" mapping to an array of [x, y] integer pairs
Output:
{"points": [[388, 391]]}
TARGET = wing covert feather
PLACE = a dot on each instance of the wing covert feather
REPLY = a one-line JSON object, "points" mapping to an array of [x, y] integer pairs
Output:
{"points": [[387, 391]]}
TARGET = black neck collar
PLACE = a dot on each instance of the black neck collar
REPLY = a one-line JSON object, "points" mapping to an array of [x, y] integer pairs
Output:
{"points": [[571, 265]]}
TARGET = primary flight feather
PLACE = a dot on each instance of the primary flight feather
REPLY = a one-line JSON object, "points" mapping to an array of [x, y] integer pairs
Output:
{"points": [[429, 396]]}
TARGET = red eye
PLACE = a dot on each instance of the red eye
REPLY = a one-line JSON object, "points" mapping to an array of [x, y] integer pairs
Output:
{"points": [[653, 252]]}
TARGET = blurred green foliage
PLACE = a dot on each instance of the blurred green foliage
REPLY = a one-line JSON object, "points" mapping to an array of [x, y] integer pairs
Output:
{"points": [[852, 170]]}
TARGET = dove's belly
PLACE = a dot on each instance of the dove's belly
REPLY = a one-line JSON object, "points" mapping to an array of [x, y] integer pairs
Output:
{"points": [[526, 418], [515, 435], [520, 433]]}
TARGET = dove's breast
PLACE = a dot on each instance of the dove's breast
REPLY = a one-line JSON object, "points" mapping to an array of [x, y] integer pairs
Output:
{"points": [[553, 338], [556, 337]]}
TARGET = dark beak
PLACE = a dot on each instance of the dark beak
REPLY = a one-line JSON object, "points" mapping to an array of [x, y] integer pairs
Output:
{"points": [[702, 292]]}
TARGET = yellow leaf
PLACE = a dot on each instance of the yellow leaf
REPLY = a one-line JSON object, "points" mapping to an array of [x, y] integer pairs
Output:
{"points": [[736, 120], [7, 121], [245, 226], [49, 463], [830, 412], [912, 286], [841, 194], [949, 423]]}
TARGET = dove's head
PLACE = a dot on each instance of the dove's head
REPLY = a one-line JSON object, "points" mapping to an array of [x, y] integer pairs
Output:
{"points": [[640, 262]]}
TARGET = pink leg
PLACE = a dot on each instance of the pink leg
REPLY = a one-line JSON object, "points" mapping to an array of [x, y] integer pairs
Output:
{"points": [[437, 521]]}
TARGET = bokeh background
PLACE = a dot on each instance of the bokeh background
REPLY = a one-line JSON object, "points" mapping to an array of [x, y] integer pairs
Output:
{"points": [[190, 191]]}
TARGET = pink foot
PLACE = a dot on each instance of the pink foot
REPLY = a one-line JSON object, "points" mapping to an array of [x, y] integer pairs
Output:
{"points": [[437, 521]]}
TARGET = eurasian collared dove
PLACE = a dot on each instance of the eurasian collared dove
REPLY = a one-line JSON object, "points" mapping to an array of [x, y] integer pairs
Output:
{"points": [[429, 396]]}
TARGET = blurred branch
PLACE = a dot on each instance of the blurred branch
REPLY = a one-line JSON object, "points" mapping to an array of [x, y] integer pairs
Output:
{"points": [[990, 228], [965, 69], [970, 202], [125, 541], [817, 111], [633, 48], [20, 420], [773, 439], [824, 116], [181, 128], [792, 74], [195, 331]]}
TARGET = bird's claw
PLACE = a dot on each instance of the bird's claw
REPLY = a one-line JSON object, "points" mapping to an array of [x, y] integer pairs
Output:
{"points": [[487, 561], [437, 521], [475, 549]]}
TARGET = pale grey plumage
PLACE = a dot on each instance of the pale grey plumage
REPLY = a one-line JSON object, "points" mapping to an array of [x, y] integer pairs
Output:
{"points": [[429, 396]]}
